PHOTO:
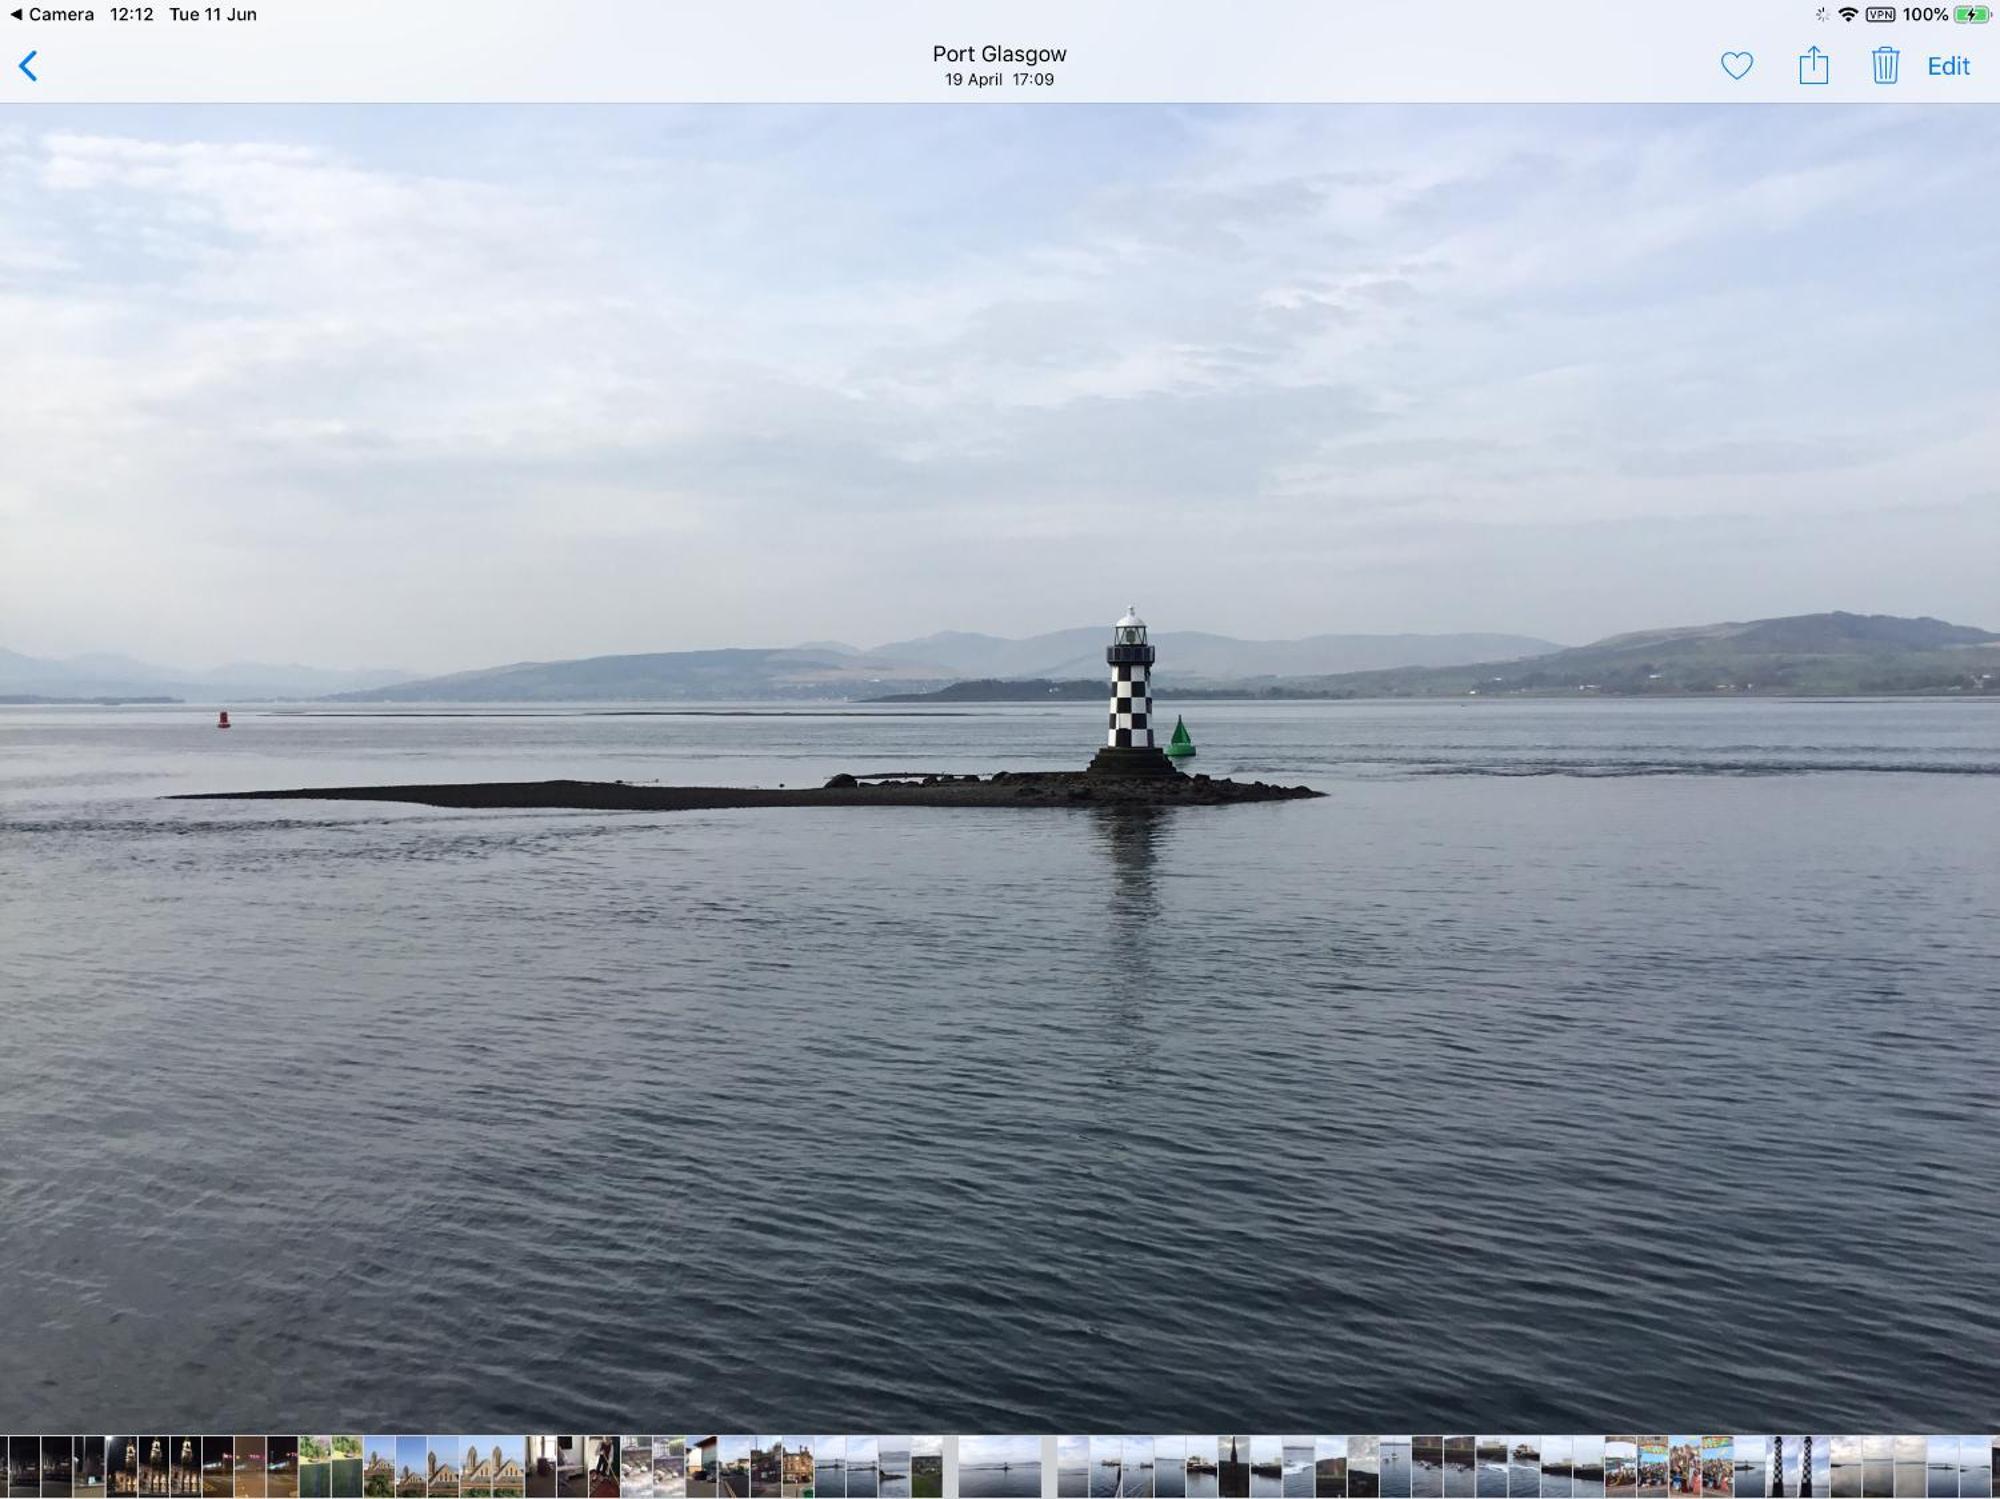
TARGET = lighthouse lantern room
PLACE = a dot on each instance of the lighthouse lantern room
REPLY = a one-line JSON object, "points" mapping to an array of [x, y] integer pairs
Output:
{"points": [[1128, 748]]}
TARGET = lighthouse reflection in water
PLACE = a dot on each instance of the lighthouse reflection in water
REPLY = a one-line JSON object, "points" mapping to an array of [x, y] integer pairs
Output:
{"points": [[1143, 1088]]}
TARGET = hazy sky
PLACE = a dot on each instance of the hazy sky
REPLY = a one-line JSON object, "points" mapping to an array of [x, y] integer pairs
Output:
{"points": [[444, 388]]}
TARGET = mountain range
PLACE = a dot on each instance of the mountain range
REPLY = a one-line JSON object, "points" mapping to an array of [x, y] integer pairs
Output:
{"points": [[830, 669], [1803, 655], [105, 675], [1195, 656], [1833, 653]]}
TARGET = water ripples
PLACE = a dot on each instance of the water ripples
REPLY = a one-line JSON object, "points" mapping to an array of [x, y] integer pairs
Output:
{"points": [[1528, 1100]]}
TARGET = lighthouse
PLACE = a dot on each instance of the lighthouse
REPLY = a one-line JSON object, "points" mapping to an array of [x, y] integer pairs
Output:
{"points": [[1128, 747]]}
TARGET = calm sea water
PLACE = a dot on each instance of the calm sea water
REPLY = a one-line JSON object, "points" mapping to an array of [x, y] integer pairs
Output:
{"points": [[1395, 1469], [1566, 1060]]}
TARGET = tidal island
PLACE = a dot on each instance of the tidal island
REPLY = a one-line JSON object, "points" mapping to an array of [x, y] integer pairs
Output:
{"points": [[1129, 771]]}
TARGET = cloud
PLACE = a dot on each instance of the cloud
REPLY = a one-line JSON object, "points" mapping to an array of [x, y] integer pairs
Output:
{"points": [[544, 382]]}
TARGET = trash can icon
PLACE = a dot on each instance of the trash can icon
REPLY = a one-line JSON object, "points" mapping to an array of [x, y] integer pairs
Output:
{"points": [[1888, 64]]}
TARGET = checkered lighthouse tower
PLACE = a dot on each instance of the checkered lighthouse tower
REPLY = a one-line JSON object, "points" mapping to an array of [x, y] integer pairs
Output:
{"points": [[1128, 747]]}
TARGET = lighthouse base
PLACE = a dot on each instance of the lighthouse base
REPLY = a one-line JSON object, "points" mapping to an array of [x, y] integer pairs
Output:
{"points": [[1127, 761]]}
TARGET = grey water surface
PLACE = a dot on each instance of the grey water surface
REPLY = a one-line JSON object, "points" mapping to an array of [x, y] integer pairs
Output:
{"points": [[1566, 1059]]}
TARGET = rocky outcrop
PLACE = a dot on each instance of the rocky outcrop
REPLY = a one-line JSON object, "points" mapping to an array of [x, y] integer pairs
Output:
{"points": [[1067, 788]]}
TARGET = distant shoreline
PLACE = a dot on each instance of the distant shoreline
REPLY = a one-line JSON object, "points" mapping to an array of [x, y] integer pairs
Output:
{"points": [[958, 694], [36, 700], [940, 704]]}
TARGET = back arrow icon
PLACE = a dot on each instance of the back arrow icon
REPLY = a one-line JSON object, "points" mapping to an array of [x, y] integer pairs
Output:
{"points": [[23, 66]]}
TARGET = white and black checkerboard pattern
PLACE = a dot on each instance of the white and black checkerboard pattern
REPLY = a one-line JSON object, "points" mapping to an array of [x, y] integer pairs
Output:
{"points": [[1131, 708]]}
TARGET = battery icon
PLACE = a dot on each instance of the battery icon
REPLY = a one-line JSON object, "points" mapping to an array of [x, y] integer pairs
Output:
{"points": [[1972, 15]]}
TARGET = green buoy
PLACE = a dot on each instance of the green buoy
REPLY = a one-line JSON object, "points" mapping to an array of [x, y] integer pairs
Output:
{"points": [[1181, 745]]}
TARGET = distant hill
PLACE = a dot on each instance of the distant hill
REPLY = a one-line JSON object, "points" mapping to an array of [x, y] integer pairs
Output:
{"points": [[1833, 634], [667, 676], [1812, 655], [1000, 690], [1093, 690], [1835, 654], [1192, 656], [1830, 654], [101, 675], [831, 669]]}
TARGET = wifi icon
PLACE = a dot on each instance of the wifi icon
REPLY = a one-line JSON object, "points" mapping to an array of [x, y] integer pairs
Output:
{"points": [[1849, 12]]}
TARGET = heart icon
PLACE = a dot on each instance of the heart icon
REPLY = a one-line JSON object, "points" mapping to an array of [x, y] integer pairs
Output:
{"points": [[1736, 64]]}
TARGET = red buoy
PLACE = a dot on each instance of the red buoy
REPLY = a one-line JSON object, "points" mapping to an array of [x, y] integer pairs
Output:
{"points": [[222, 719]]}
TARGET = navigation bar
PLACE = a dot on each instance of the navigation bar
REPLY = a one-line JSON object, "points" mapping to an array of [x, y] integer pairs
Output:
{"points": [[1074, 51]]}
